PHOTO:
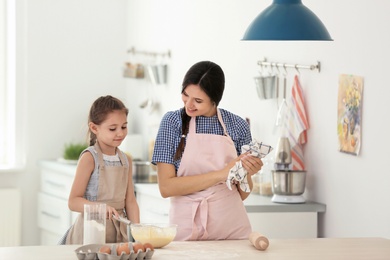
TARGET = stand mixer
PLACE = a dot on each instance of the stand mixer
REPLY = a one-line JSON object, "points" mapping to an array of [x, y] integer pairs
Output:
{"points": [[287, 185]]}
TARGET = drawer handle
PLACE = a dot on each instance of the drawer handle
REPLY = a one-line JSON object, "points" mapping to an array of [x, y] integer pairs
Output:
{"points": [[50, 215], [56, 184]]}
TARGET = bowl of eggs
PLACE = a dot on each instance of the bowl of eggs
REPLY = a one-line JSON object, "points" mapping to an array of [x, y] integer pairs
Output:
{"points": [[158, 235]]}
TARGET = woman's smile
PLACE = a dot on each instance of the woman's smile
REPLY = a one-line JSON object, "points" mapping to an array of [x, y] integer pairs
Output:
{"points": [[196, 102]]}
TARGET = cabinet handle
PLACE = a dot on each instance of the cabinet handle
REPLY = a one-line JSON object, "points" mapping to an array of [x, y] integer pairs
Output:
{"points": [[50, 215]]}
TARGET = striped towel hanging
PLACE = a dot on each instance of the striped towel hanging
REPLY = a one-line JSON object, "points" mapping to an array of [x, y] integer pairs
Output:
{"points": [[297, 125]]}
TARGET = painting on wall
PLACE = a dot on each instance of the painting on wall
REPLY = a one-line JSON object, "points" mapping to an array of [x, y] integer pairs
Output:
{"points": [[349, 113]]}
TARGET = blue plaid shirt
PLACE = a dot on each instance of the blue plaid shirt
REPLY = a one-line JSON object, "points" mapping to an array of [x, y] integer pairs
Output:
{"points": [[168, 136]]}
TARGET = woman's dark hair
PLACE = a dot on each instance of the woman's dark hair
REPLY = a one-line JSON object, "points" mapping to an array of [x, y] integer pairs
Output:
{"points": [[99, 111], [211, 79]]}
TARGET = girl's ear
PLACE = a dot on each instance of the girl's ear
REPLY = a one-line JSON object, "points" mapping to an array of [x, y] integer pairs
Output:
{"points": [[93, 127]]}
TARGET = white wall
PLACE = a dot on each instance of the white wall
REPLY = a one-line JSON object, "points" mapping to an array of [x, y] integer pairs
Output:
{"points": [[354, 188], [70, 52]]}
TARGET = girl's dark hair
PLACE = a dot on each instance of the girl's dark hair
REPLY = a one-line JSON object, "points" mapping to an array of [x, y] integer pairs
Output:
{"points": [[99, 111], [211, 79]]}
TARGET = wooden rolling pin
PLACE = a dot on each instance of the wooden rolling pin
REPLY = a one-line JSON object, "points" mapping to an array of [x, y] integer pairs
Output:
{"points": [[259, 241]]}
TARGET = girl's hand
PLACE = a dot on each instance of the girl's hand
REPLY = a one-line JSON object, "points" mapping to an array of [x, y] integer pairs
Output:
{"points": [[111, 211], [251, 163]]}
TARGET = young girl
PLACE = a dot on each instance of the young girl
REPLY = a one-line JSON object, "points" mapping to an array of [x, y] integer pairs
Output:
{"points": [[104, 173]]}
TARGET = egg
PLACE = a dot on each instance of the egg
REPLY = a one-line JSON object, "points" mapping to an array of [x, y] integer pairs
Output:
{"points": [[137, 246], [123, 248], [105, 249], [148, 245]]}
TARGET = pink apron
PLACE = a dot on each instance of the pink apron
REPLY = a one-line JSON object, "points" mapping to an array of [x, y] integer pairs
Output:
{"points": [[217, 212], [112, 191]]}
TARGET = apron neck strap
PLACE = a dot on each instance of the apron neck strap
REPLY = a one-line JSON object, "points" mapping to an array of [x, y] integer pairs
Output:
{"points": [[221, 122], [192, 128], [100, 155], [121, 156]]}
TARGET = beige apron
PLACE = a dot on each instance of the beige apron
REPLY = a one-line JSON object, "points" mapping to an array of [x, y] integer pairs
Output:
{"points": [[217, 212], [112, 190]]}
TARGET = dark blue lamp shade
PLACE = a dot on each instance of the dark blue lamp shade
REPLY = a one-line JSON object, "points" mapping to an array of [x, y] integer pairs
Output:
{"points": [[287, 20]]}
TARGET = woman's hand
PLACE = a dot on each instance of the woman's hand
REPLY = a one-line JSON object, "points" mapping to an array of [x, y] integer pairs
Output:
{"points": [[251, 163], [225, 171]]}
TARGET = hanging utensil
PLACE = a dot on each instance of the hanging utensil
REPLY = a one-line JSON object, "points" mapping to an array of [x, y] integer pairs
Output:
{"points": [[152, 72], [280, 116], [149, 103], [283, 106], [265, 85], [277, 74]]}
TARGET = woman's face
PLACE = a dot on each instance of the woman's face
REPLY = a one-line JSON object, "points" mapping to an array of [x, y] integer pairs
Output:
{"points": [[197, 103]]}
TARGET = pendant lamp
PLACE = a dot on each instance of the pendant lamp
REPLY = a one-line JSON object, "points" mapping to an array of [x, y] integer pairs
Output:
{"points": [[287, 20]]}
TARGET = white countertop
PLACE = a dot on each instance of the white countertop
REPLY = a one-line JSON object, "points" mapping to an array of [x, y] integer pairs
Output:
{"points": [[291, 249], [259, 203], [57, 165]]}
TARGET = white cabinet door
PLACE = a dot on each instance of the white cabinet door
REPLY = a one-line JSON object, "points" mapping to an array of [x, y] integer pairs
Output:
{"points": [[153, 209], [285, 224], [53, 214], [55, 183]]}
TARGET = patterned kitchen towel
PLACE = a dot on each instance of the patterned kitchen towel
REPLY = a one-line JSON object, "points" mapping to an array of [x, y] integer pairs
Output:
{"points": [[297, 124], [237, 173]]}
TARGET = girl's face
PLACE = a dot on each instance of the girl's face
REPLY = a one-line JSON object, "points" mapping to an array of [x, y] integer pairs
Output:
{"points": [[197, 103], [112, 131]]}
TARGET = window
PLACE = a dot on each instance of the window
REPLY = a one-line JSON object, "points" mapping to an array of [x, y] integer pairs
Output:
{"points": [[11, 152]]}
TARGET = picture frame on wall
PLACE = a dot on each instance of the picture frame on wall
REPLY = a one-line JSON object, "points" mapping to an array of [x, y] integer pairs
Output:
{"points": [[349, 113]]}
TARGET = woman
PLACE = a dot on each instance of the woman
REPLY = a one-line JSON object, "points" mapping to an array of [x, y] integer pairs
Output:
{"points": [[195, 148]]}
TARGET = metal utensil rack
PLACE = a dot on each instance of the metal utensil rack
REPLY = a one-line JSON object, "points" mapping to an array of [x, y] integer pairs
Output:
{"points": [[264, 62], [132, 50], [137, 70]]}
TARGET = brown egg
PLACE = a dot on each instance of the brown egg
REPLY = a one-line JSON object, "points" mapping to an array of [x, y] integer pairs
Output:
{"points": [[123, 248], [137, 246], [148, 245], [105, 249]]}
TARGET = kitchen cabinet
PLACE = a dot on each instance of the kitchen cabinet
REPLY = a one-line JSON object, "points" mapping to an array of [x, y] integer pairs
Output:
{"points": [[54, 216], [274, 220], [277, 220], [152, 207]]}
